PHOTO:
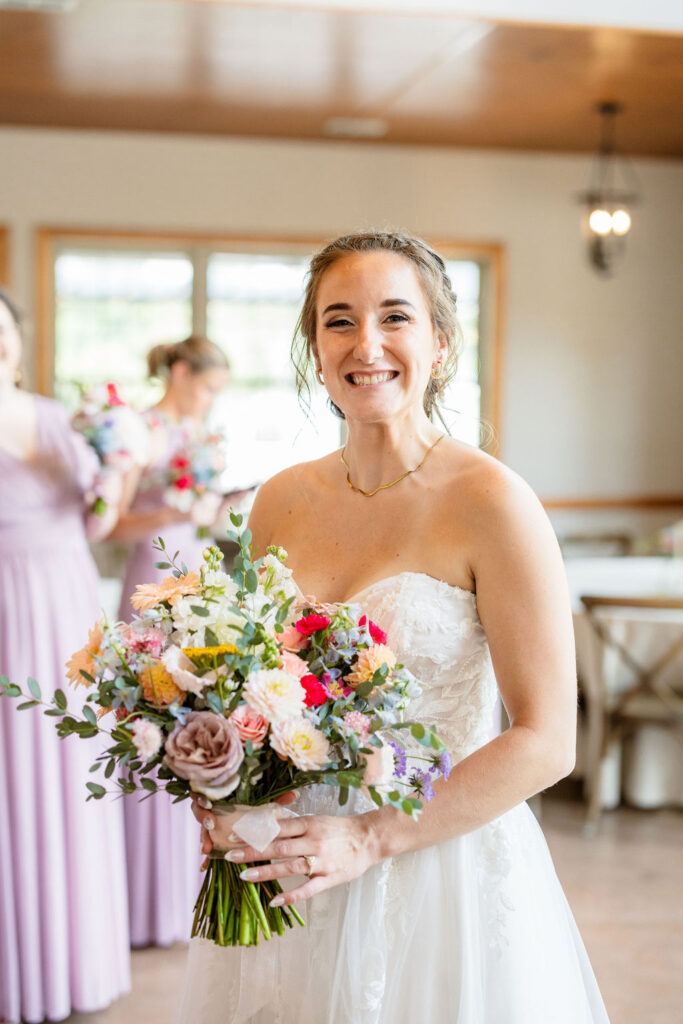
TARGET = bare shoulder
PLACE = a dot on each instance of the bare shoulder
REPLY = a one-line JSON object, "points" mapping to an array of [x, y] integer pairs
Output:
{"points": [[286, 497], [497, 510]]}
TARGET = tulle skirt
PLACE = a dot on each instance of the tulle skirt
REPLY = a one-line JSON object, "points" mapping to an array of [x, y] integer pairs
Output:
{"points": [[476, 930]]}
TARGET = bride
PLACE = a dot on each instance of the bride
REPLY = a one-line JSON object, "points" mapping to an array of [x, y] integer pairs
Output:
{"points": [[458, 916]]}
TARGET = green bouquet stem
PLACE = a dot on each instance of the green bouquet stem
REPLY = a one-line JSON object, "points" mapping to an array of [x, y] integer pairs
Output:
{"points": [[231, 912]]}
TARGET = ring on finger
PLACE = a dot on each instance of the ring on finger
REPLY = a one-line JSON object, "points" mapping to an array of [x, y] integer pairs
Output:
{"points": [[310, 861]]}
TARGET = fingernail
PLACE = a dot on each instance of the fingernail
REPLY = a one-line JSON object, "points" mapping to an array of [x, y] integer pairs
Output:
{"points": [[204, 802], [277, 901], [234, 838], [209, 824], [234, 855], [249, 875]]}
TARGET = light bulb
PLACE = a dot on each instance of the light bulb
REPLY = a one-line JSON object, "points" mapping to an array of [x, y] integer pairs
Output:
{"points": [[600, 221], [621, 222]]}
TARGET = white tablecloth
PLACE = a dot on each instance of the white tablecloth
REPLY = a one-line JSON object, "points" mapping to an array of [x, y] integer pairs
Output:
{"points": [[651, 772]]}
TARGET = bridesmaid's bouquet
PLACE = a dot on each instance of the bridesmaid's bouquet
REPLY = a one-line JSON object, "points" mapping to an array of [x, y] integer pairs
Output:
{"points": [[194, 480], [116, 432], [234, 689]]}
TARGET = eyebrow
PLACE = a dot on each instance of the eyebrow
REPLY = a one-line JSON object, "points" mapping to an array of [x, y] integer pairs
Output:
{"points": [[385, 304]]}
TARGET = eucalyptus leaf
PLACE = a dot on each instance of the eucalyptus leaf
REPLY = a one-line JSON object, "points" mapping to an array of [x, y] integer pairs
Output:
{"points": [[203, 613], [34, 688], [97, 791], [28, 704]]}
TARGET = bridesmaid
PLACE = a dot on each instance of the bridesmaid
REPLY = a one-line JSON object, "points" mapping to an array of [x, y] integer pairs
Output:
{"points": [[64, 942], [162, 840]]}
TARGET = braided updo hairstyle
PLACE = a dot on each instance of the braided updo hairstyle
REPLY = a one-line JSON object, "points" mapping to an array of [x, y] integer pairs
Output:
{"points": [[436, 285]]}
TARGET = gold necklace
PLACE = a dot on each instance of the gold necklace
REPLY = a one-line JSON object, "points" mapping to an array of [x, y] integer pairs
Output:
{"points": [[384, 487]]}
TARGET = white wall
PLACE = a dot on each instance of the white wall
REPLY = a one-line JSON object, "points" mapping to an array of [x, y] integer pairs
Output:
{"points": [[593, 373]]}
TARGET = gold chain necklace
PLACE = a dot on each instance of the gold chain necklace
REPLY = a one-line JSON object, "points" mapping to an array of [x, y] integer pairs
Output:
{"points": [[384, 487]]}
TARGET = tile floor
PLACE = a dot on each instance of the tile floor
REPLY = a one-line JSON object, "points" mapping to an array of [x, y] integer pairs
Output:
{"points": [[624, 886]]}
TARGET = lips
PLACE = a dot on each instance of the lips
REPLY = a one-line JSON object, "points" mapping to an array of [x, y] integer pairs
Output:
{"points": [[364, 380]]}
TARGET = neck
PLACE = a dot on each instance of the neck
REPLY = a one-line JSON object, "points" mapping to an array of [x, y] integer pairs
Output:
{"points": [[170, 407], [378, 453]]}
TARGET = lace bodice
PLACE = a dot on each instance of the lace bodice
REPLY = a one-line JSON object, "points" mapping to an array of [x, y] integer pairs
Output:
{"points": [[434, 629]]}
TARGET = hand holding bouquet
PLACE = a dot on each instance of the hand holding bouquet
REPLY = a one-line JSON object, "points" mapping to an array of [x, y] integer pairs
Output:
{"points": [[117, 434], [235, 690]]}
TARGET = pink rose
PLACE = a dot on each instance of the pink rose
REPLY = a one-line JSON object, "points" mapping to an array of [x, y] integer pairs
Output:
{"points": [[207, 751], [291, 639], [293, 664], [249, 724]]}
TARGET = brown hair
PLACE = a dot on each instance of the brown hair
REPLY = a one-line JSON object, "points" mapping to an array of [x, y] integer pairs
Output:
{"points": [[11, 305], [197, 351], [438, 290]]}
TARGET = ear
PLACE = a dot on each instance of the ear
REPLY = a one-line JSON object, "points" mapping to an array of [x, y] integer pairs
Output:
{"points": [[179, 371], [441, 354]]}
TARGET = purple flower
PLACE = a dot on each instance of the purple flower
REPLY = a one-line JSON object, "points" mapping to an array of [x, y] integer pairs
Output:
{"points": [[422, 784], [400, 760], [441, 765]]}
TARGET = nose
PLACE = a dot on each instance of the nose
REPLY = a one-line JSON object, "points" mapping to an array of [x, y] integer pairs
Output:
{"points": [[369, 343]]}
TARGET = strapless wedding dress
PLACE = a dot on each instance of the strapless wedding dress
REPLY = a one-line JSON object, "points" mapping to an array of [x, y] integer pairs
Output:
{"points": [[475, 930]]}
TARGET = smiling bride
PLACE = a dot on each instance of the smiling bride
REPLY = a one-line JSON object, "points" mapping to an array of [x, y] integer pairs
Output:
{"points": [[458, 916]]}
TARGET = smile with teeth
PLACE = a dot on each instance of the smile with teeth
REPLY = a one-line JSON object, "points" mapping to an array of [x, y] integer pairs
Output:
{"points": [[364, 380]]}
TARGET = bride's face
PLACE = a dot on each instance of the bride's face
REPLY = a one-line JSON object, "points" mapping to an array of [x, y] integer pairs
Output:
{"points": [[375, 341]]}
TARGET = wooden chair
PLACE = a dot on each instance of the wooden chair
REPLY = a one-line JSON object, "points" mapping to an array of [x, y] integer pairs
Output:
{"points": [[612, 713]]}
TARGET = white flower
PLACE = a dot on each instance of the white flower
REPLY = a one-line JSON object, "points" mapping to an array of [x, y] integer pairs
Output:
{"points": [[182, 671], [275, 694], [217, 580], [147, 738], [216, 792], [299, 741], [380, 769]]}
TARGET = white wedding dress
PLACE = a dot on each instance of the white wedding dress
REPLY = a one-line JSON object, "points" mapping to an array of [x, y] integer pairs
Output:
{"points": [[475, 930]]}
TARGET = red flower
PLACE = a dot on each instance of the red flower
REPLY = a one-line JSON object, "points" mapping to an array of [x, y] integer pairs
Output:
{"points": [[183, 483], [315, 692], [180, 462], [112, 395], [377, 634], [310, 624]]}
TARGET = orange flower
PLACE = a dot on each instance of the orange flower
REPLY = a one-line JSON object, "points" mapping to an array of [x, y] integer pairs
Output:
{"points": [[368, 662], [158, 686], [171, 589], [85, 658]]}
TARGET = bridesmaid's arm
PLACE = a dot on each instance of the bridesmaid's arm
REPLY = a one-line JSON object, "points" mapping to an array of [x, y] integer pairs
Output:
{"points": [[133, 526]]}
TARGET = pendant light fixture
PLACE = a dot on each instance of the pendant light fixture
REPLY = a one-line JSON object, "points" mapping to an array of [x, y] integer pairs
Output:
{"points": [[611, 193]]}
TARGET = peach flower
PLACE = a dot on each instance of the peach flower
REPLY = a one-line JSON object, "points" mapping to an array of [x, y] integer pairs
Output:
{"points": [[85, 658], [291, 639], [158, 686], [147, 595], [249, 724], [368, 662], [293, 664], [299, 741]]}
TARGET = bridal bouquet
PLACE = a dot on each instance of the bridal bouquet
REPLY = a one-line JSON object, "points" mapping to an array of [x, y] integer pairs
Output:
{"points": [[193, 483], [236, 690], [116, 432]]}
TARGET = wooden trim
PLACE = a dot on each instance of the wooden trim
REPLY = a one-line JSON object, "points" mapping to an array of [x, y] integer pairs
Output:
{"points": [[48, 237], [590, 602], [4, 257], [643, 501]]}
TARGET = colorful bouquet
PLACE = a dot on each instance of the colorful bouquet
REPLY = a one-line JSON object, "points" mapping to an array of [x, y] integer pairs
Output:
{"points": [[236, 690], [116, 432], [194, 480]]}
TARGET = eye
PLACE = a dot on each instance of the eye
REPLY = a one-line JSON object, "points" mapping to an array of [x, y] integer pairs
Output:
{"points": [[397, 318], [341, 321]]}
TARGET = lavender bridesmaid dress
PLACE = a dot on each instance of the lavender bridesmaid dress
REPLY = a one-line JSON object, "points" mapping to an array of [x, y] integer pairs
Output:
{"points": [[162, 838], [63, 916]]}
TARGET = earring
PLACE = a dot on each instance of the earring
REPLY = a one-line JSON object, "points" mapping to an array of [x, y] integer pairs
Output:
{"points": [[319, 376], [18, 376], [436, 370]]}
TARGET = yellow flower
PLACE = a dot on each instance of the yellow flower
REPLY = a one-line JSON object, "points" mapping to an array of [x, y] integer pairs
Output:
{"points": [[158, 686], [368, 662], [206, 657], [85, 658], [147, 595]]}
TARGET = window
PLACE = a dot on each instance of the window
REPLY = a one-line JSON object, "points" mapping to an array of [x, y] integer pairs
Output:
{"points": [[112, 299]]}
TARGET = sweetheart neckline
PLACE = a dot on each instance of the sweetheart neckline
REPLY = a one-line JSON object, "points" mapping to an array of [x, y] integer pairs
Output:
{"points": [[396, 576]]}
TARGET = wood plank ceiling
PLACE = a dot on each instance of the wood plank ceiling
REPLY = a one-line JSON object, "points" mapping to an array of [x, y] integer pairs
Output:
{"points": [[181, 66]]}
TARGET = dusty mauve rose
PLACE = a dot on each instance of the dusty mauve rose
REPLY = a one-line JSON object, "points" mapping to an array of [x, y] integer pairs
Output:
{"points": [[207, 751], [249, 724]]}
